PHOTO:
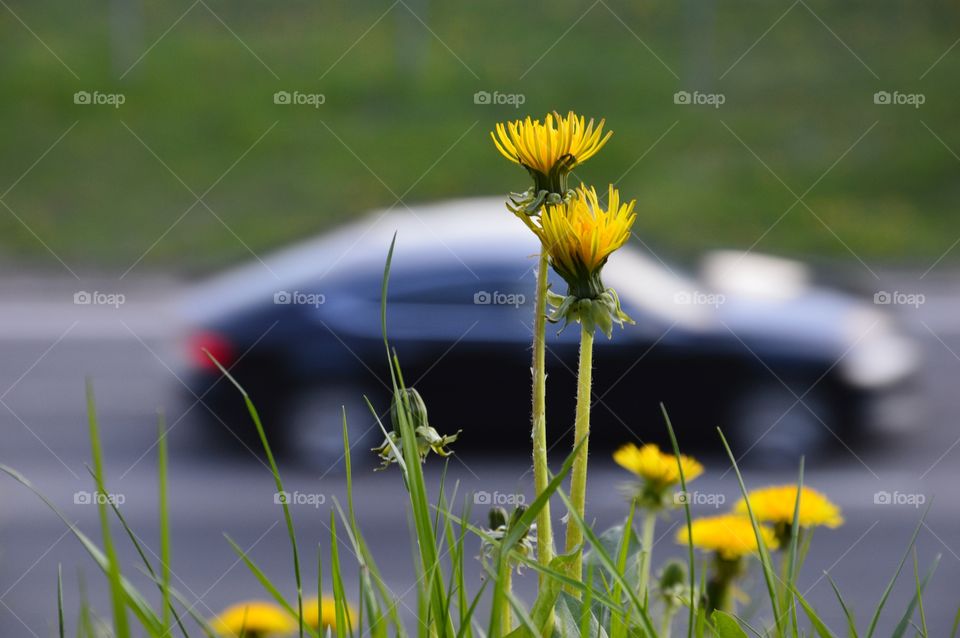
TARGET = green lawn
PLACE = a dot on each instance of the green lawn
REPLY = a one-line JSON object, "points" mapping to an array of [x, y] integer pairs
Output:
{"points": [[400, 97]]}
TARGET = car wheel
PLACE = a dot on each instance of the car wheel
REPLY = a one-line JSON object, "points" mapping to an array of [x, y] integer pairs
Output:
{"points": [[315, 427], [771, 428]]}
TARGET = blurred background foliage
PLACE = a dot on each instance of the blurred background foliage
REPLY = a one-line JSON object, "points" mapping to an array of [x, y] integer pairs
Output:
{"points": [[400, 120]]}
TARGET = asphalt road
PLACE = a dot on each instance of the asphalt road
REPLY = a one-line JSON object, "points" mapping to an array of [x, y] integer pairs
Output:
{"points": [[49, 345]]}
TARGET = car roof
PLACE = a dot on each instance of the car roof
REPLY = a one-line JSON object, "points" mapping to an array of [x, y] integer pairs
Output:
{"points": [[460, 231], [451, 234]]}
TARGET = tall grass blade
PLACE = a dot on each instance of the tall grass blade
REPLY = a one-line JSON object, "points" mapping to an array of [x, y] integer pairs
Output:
{"points": [[118, 602], [818, 625], [164, 514], [688, 518], [267, 583], [768, 572], [917, 601], [255, 416], [609, 565], [146, 562], [893, 579], [60, 624], [791, 572], [137, 603], [847, 611]]}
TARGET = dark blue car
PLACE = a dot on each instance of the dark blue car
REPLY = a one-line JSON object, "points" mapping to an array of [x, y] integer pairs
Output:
{"points": [[750, 344]]}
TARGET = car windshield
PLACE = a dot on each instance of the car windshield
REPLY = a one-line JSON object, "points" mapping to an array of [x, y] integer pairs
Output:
{"points": [[654, 288]]}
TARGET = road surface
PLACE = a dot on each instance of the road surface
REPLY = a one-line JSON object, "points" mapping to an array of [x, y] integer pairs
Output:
{"points": [[50, 345]]}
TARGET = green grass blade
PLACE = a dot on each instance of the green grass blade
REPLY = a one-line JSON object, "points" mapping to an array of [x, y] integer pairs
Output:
{"points": [[791, 608], [146, 561], [818, 625], [768, 573], [893, 579], [60, 624], [291, 533], [917, 600], [118, 599], [267, 583], [137, 603], [164, 514], [686, 511], [847, 611], [339, 596], [188, 606], [609, 565], [726, 625]]}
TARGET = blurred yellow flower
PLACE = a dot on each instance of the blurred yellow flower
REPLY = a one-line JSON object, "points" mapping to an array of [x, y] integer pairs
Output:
{"points": [[581, 234], [253, 619], [322, 614], [649, 463], [776, 504], [551, 149], [730, 535]]}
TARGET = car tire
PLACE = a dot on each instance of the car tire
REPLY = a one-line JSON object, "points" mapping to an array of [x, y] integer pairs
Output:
{"points": [[770, 428], [314, 426]]}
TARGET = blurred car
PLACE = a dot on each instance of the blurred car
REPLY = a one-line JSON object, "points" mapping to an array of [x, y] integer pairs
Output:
{"points": [[749, 344]]}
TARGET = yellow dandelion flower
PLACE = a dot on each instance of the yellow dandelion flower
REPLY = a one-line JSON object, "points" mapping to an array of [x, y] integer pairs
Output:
{"points": [[776, 504], [253, 619], [551, 149], [322, 614], [649, 463], [580, 236], [730, 535]]}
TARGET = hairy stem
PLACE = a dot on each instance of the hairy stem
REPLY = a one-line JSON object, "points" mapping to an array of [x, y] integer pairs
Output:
{"points": [[578, 477], [506, 619], [540, 468], [646, 551]]}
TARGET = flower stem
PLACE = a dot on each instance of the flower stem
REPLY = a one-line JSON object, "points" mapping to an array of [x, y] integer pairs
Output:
{"points": [[578, 479], [646, 548], [666, 623], [506, 620], [540, 468]]}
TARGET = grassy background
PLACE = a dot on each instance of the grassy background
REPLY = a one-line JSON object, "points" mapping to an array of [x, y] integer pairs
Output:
{"points": [[401, 97]]}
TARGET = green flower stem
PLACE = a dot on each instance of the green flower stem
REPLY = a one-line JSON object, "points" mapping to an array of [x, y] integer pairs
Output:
{"points": [[540, 468], [666, 623], [578, 477], [721, 582], [506, 620], [646, 548]]}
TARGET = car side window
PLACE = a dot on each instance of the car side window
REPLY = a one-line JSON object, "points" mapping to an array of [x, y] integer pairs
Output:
{"points": [[484, 286]]}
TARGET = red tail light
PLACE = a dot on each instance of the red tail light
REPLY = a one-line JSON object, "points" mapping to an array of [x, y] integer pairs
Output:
{"points": [[216, 344]]}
